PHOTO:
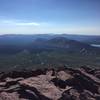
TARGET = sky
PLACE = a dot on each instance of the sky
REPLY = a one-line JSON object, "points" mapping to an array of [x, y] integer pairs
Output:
{"points": [[50, 16]]}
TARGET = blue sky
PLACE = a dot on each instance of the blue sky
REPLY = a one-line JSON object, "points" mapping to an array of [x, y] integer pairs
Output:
{"points": [[50, 16]]}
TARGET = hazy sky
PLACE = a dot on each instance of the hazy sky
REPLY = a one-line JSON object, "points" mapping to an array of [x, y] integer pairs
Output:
{"points": [[50, 16]]}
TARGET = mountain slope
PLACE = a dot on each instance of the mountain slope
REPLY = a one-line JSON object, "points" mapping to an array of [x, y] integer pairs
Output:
{"points": [[42, 44], [25, 39], [63, 44]]}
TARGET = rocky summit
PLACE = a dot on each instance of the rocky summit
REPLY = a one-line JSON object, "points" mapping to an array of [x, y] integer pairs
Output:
{"points": [[51, 84]]}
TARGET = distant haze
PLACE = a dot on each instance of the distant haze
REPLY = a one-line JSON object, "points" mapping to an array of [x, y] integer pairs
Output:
{"points": [[50, 16]]}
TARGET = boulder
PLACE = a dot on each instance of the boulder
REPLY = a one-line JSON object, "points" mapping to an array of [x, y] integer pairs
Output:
{"points": [[42, 86], [9, 96], [63, 75], [70, 94]]}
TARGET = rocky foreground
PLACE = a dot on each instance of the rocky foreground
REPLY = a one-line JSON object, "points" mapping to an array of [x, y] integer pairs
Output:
{"points": [[51, 84]]}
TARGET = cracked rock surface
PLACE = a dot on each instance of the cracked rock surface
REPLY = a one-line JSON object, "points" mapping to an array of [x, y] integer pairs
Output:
{"points": [[51, 84]]}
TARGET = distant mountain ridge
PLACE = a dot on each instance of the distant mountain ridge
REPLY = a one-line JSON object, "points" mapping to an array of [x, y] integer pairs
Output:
{"points": [[22, 39], [62, 44], [18, 43]]}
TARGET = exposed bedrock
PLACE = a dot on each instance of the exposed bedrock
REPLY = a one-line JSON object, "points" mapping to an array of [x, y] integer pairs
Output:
{"points": [[51, 84]]}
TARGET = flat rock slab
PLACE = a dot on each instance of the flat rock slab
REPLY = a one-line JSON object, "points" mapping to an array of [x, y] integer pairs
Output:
{"points": [[63, 75], [43, 86]]}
